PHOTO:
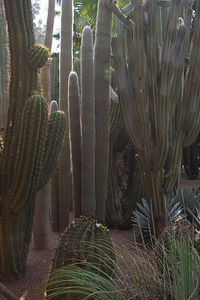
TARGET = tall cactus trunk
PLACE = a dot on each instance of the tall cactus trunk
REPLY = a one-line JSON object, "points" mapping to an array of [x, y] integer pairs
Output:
{"points": [[4, 68], [41, 227], [88, 203], [75, 138], [102, 103], [66, 62]]}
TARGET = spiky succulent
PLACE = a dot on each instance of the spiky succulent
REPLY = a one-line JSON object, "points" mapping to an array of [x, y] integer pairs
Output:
{"points": [[143, 226], [38, 55]]}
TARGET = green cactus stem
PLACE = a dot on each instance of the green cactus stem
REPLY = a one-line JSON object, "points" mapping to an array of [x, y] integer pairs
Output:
{"points": [[102, 103], [88, 202], [55, 78], [65, 67], [75, 138]]}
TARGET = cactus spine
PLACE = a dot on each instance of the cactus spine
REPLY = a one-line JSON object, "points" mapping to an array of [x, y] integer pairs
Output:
{"points": [[64, 169], [88, 203], [102, 103], [23, 160], [75, 135]]}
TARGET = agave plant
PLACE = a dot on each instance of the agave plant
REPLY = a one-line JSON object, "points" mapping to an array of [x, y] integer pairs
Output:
{"points": [[184, 204], [143, 225]]}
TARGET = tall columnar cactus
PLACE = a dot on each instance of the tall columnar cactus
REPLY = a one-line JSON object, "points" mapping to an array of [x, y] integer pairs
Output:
{"points": [[4, 68], [75, 135], [149, 105], [102, 103], [66, 58], [88, 202], [31, 143]]}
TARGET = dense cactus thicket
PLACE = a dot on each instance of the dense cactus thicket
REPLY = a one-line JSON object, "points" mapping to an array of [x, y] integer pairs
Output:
{"points": [[160, 110], [31, 144]]}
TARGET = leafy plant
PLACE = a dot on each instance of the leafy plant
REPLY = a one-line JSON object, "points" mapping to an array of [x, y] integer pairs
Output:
{"points": [[143, 225], [140, 273]]}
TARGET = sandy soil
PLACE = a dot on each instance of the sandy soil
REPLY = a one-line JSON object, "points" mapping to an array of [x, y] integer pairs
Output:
{"points": [[39, 261]]}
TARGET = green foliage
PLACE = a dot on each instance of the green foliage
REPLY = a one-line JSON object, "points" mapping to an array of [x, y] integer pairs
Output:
{"points": [[170, 273]]}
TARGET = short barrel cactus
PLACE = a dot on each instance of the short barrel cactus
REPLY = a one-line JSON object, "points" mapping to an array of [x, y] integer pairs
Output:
{"points": [[85, 241]]}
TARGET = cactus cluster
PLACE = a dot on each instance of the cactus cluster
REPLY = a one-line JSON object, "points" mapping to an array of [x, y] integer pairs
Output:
{"points": [[160, 111]]}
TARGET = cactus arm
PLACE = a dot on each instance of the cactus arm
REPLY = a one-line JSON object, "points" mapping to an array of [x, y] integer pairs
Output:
{"points": [[125, 94], [75, 139], [102, 103], [125, 20], [55, 134], [191, 96], [87, 124], [28, 165]]}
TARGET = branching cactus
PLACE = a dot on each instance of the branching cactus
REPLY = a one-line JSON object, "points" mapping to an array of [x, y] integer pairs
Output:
{"points": [[149, 104], [31, 145]]}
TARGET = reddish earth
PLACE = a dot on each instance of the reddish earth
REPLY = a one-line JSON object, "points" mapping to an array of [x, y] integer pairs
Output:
{"points": [[39, 261]]}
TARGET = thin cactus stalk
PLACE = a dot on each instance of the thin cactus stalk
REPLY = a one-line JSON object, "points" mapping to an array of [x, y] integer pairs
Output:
{"points": [[27, 138], [65, 67], [75, 138], [102, 103], [149, 106], [55, 78], [88, 202], [54, 185], [4, 69]]}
